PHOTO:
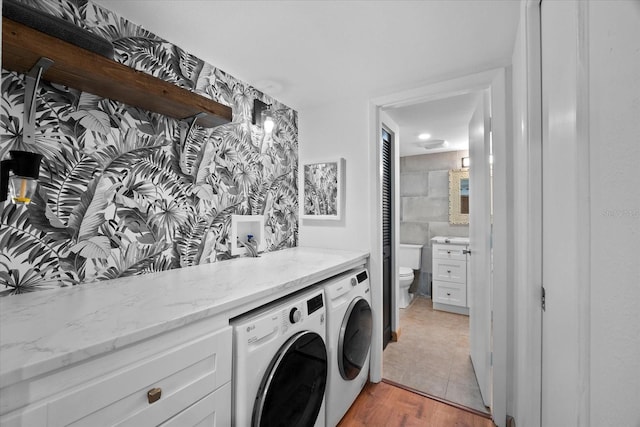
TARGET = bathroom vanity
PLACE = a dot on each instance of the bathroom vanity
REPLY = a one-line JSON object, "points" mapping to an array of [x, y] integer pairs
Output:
{"points": [[450, 261], [144, 350]]}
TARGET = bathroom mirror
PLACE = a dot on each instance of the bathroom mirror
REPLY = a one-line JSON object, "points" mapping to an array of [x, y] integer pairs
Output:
{"points": [[459, 196]]}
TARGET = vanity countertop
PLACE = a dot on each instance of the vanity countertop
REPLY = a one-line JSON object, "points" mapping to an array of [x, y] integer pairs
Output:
{"points": [[47, 330]]}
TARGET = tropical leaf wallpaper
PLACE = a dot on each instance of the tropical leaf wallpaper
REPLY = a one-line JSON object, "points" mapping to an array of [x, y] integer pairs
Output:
{"points": [[321, 189], [126, 192]]}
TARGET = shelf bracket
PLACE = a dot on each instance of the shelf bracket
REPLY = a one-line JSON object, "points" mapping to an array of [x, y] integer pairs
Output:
{"points": [[33, 81]]}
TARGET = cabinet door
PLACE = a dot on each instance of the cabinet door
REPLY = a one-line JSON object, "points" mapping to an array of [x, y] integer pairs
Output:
{"points": [[212, 411], [450, 270], [184, 374]]}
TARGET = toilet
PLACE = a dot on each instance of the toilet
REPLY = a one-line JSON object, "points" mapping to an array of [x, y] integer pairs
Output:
{"points": [[410, 258]]}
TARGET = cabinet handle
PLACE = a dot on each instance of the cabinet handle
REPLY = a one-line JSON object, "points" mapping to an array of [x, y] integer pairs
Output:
{"points": [[154, 394], [466, 251], [448, 294], [449, 271], [449, 252]]}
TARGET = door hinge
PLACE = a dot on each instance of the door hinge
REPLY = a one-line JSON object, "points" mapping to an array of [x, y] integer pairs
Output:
{"points": [[544, 300], [490, 124], [491, 359]]}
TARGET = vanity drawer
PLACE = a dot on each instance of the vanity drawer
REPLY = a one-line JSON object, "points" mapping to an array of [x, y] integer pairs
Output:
{"points": [[450, 293], [184, 374], [442, 251], [450, 270]]}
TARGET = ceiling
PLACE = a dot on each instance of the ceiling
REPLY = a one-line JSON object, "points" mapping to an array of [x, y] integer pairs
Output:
{"points": [[311, 53], [444, 119], [315, 53]]}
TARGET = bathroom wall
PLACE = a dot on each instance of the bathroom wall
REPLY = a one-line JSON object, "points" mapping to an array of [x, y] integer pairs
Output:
{"points": [[424, 210], [122, 191]]}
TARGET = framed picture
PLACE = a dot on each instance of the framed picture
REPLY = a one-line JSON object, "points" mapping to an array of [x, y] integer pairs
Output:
{"points": [[322, 191]]}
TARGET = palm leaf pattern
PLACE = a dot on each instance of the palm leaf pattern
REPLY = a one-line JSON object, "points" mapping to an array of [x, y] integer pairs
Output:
{"points": [[125, 191]]}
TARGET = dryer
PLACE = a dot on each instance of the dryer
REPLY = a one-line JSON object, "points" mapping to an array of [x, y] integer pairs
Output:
{"points": [[349, 328], [280, 363]]}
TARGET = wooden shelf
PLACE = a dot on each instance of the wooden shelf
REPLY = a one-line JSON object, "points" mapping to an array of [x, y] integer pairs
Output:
{"points": [[81, 69]]}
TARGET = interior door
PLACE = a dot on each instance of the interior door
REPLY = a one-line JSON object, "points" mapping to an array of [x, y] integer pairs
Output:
{"points": [[387, 271], [479, 277]]}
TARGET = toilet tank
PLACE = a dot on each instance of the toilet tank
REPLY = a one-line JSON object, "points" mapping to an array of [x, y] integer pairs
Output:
{"points": [[410, 256]]}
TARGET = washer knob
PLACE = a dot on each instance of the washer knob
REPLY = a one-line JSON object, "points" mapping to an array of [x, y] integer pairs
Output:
{"points": [[354, 282], [295, 315]]}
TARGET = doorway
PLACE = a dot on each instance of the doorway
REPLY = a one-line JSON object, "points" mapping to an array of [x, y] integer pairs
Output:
{"points": [[492, 80], [431, 354]]}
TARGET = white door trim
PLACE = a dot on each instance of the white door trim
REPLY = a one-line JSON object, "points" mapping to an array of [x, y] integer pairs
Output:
{"points": [[470, 83]]}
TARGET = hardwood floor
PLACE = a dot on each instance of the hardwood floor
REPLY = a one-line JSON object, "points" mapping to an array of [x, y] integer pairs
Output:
{"points": [[386, 405]]}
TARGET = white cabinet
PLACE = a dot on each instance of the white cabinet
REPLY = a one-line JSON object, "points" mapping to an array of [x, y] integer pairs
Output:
{"points": [[449, 291], [182, 377]]}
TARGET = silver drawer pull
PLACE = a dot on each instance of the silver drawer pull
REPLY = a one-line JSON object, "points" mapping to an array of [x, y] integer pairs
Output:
{"points": [[154, 394]]}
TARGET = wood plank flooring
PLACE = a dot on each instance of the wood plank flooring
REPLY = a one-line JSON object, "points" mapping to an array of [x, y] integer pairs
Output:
{"points": [[386, 405]]}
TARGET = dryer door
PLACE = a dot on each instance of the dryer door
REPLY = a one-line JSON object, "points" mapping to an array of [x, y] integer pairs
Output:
{"points": [[355, 338], [292, 390]]}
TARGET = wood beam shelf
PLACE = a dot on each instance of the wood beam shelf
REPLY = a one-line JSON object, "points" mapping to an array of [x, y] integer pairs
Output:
{"points": [[81, 69]]}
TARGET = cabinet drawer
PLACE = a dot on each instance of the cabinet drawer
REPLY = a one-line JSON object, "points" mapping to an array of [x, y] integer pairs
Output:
{"points": [[441, 251], [450, 293], [185, 374], [212, 411], [450, 270]]}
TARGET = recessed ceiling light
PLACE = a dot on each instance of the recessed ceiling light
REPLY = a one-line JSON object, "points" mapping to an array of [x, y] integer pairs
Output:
{"points": [[424, 136]]}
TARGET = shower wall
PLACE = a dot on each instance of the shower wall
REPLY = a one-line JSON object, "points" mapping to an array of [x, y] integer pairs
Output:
{"points": [[424, 206]]}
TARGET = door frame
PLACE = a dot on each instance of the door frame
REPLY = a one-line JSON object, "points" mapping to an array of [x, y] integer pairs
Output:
{"points": [[440, 90]]}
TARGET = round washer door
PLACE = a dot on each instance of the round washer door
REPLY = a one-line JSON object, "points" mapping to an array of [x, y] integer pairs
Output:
{"points": [[293, 387], [355, 338]]}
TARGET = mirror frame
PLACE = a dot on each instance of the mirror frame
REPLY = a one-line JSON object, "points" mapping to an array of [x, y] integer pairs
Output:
{"points": [[455, 217]]}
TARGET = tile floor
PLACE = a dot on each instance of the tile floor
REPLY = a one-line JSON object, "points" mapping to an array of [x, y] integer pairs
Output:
{"points": [[432, 355]]}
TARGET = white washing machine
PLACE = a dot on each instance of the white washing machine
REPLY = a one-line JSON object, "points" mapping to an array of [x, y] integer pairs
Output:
{"points": [[349, 327], [280, 363]]}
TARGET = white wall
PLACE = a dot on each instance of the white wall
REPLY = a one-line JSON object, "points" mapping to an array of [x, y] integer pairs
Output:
{"points": [[614, 140], [332, 131]]}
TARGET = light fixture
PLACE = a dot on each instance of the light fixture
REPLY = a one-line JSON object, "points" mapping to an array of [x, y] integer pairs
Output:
{"points": [[432, 143], [465, 162], [22, 184], [263, 116], [424, 136]]}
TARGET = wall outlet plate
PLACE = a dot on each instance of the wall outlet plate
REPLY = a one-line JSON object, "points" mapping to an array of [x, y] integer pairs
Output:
{"points": [[241, 227]]}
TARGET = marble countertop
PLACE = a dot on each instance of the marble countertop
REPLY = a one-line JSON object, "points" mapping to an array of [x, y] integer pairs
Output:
{"points": [[47, 330]]}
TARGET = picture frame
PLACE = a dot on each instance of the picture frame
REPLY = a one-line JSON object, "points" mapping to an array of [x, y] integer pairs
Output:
{"points": [[322, 190]]}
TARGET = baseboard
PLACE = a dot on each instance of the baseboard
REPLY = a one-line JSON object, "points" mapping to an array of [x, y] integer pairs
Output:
{"points": [[395, 335]]}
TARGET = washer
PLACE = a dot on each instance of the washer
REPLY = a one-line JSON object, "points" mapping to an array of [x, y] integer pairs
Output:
{"points": [[349, 327], [280, 363]]}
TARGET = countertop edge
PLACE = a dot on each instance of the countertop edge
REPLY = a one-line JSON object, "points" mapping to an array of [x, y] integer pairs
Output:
{"points": [[228, 309]]}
